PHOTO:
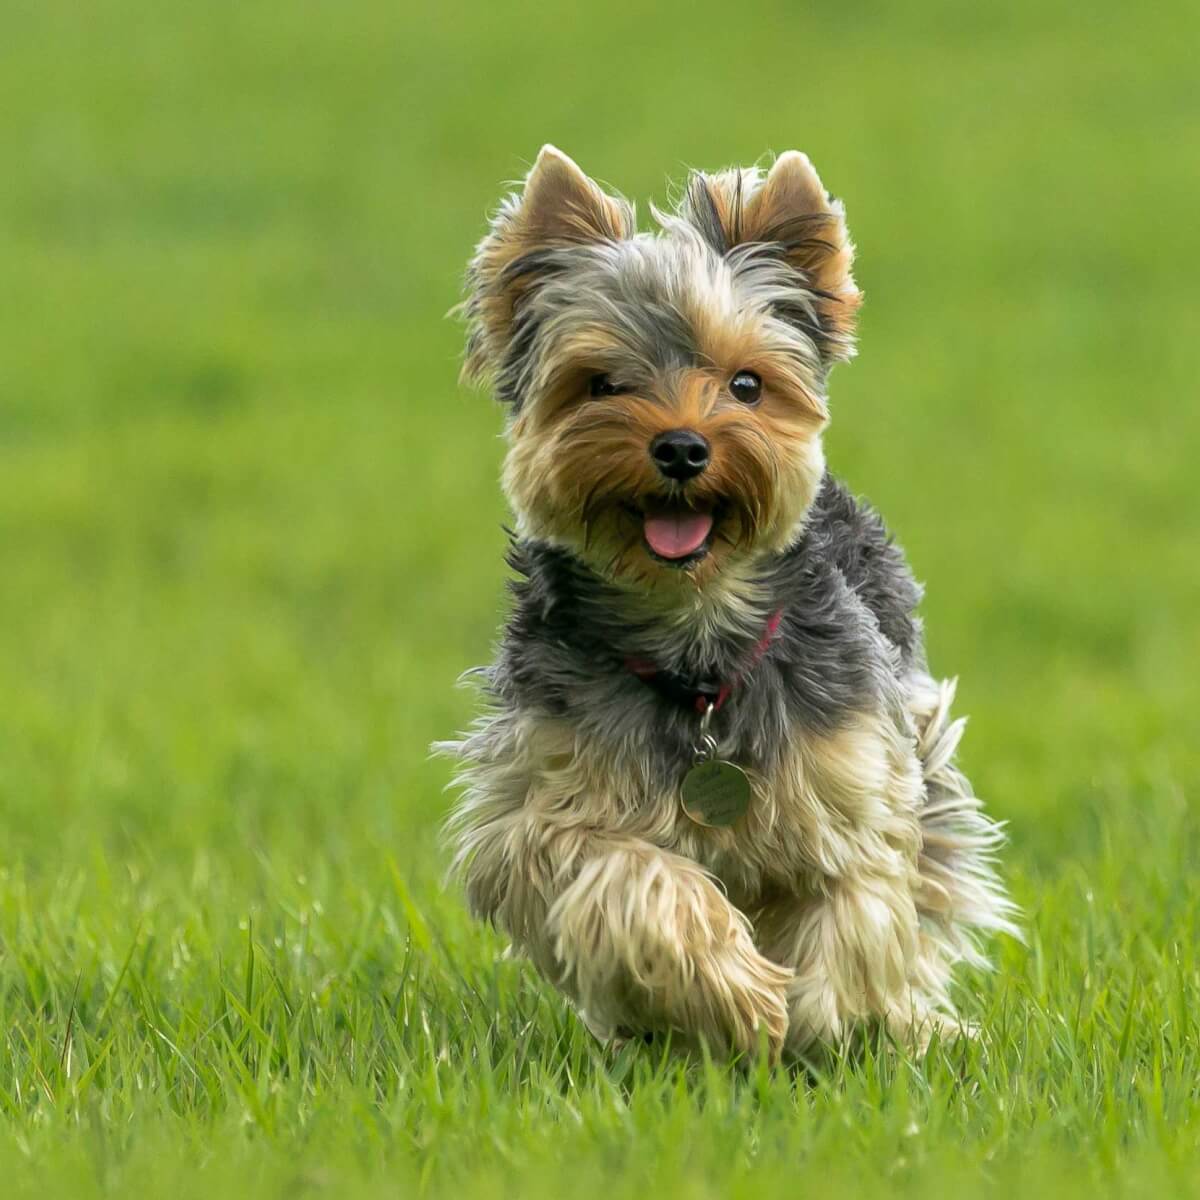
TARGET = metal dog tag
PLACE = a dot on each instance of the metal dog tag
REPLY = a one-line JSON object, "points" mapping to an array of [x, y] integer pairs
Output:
{"points": [[715, 793]]}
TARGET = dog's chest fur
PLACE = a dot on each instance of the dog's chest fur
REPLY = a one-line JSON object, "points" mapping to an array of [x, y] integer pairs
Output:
{"points": [[818, 723]]}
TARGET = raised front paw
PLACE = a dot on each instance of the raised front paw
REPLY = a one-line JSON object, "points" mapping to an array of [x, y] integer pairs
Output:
{"points": [[747, 995], [731, 998], [647, 943]]}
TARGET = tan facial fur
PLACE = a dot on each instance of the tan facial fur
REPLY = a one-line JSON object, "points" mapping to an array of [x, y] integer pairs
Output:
{"points": [[580, 468], [577, 464]]}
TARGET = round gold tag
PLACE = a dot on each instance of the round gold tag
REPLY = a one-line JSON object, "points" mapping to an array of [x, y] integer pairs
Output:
{"points": [[715, 793]]}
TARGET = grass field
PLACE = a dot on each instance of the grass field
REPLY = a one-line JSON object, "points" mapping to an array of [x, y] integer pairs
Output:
{"points": [[251, 534]]}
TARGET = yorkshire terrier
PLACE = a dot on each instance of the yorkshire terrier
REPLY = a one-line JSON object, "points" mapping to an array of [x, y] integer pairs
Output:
{"points": [[715, 794]]}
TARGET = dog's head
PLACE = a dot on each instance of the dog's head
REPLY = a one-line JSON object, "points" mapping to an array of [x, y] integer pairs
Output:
{"points": [[666, 391]]}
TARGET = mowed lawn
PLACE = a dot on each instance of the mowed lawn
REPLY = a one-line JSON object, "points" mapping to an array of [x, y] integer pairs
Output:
{"points": [[250, 534]]}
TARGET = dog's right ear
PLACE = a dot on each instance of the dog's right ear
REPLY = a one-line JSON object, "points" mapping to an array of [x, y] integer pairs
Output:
{"points": [[790, 210], [558, 206]]}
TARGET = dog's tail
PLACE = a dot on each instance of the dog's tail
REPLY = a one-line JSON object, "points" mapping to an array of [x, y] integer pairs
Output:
{"points": [[960, 897]]}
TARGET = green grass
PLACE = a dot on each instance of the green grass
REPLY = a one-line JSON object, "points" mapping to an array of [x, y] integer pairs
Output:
{"points": [[251, 534]]}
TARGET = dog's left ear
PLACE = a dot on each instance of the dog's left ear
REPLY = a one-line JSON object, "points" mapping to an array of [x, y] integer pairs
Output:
{"points": [[790, 210], [557, 207]]}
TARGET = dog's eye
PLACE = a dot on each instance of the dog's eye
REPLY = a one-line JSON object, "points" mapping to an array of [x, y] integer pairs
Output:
{"points": [[746, 387], [603, 385]]}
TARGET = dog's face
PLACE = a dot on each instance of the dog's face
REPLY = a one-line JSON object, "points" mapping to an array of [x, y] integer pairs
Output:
{"points": [[667, 391]]}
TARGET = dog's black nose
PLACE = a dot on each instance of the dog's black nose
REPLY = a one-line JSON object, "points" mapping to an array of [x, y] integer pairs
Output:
{"points": [[679, 454]]}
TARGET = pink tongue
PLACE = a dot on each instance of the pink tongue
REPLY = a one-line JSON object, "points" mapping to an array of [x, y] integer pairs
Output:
{"points": [[677, 534]]}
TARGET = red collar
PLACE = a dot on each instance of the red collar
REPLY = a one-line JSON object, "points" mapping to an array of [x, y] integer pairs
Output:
{"points": [[699, 694]]}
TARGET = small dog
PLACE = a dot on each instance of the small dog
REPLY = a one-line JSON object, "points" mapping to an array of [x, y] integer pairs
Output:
{"points": [[715, 794]]}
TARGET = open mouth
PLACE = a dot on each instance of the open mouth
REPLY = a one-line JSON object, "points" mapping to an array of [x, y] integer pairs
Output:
{"points": [[675, 534]]}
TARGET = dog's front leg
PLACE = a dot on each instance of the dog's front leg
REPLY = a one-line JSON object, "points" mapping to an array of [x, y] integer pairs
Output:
{"points": [[854, 947], [642, 939], [645, 940]]}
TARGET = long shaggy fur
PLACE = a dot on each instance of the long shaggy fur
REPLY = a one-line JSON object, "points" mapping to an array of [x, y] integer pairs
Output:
{"points": [[862, 872]]}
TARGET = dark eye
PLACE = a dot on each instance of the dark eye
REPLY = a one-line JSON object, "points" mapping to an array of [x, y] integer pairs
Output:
{"points": [[603, 385], [746, 387]]}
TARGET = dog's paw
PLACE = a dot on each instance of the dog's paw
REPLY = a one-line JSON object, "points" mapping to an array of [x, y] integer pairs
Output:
{"points": [[751, 997], [915, 1030]]}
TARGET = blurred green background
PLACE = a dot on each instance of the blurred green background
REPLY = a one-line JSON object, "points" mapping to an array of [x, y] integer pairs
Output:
{"points": [[250, 523]]}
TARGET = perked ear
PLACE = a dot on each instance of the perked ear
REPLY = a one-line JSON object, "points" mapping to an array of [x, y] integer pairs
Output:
{"points": [[558, 206], [790, 210]]}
